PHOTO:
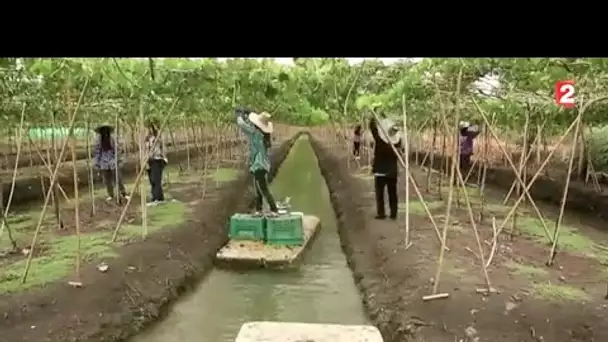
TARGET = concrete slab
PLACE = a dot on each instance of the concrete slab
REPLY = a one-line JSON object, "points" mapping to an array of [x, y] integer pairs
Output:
{"points": [[304, 332], [257, 253]]}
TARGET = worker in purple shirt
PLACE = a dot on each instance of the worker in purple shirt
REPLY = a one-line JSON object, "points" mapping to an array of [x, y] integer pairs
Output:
{"points": [[468, 133]]}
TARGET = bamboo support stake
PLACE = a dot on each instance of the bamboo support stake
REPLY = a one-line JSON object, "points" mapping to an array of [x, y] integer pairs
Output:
{"points": [[413, 181], [517, 175], [49, 169], [562, 208], [455, 163], [480, 253], [14, 180], [142, 185], [91, 182], [546, 161], [432, 163], [522, 166], [494, 243], [141, 172], [530, 183], [78, 282], [407, 171], [484, 171], [50, 189], [462, 183], [59, 161], [528, 156], [117, 151]]}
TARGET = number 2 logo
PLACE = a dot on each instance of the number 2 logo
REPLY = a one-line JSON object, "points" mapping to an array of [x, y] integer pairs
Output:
{"points": [[564, 93]]}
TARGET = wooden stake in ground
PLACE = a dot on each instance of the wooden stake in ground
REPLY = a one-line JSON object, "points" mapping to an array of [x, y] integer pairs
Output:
{"points": [[562, 207], [142, 162], [515, 171], [91, 182], [480, 255], [455, 164], [50, 190], [142, 186], [413, 181], [407, 171], [78, 282], [13, 181]]}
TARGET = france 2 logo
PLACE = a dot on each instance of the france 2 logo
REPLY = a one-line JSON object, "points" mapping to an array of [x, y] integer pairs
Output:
{"points": [[564, 93]]}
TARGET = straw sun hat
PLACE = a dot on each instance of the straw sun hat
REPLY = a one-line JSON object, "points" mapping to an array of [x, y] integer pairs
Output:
{"points": [[261, 121], [393, 134]]}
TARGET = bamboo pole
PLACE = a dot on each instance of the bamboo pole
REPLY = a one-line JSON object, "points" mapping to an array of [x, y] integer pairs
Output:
{"points": [[13, 181], [78, 281], [455, 163], [407, 171], [142, 185], [562, 208], [141, 171], [49, 191]]}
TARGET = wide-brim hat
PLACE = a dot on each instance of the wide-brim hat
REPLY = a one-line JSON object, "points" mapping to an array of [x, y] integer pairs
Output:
{"points": [[261, 121], [104, 127], [392, 135]]}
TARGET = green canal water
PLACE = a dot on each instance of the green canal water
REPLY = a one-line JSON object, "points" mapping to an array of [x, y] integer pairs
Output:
{"points": [[319, 289]]}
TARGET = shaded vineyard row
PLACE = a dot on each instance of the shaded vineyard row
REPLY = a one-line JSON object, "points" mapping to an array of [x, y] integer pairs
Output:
{"points": [[32, 188], [116, 305], [581, 199]]}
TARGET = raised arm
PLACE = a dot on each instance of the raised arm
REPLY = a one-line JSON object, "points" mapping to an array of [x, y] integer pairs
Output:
{"points": [[474, 132], [242, 122], [373, 127]]}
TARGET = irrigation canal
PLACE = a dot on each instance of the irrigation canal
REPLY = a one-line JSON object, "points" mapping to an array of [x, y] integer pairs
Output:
{"points": [[317, 289]]}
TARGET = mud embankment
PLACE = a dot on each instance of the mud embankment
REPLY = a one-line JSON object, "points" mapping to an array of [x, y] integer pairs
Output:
{"points": [[361, 250], [140, 284], [580, 198], [31, 189]]}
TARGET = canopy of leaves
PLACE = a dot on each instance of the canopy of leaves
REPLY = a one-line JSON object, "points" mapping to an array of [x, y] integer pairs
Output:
{"points": [[313, 91]]}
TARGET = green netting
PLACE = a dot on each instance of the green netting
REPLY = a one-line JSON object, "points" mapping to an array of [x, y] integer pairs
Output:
{"points": [[48, 133]]}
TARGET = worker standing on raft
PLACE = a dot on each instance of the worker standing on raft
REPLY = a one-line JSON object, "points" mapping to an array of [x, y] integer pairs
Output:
{"points": [[258, 129], [384, 166]]}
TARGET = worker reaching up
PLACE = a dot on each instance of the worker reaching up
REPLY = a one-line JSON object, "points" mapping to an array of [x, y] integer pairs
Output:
{"points": [[468, 133], [385, 166], [258, 129], [358, 132]]}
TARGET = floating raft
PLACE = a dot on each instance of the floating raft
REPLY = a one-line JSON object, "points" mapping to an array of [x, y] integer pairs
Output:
{"points": [[303, 332], [257, 253]]}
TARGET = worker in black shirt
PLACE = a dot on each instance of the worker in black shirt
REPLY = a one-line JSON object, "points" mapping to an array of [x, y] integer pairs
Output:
{"points": [[385, 167], [357, 141]]}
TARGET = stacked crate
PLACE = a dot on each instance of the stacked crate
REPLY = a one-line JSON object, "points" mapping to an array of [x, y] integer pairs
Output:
{"points": [[282, 230]]}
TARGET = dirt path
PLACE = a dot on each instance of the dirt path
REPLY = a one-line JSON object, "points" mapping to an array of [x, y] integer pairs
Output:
{"points": [[143, 278], [535, 303]]}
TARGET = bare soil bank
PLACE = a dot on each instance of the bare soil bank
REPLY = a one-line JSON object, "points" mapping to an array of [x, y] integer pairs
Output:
{"points": [[581, 198], [30, 189], [393, 281], [140, 285]]}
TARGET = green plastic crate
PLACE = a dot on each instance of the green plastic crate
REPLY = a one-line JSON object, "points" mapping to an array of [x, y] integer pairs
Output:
{"points": [[285, 230], [247, 227]]}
